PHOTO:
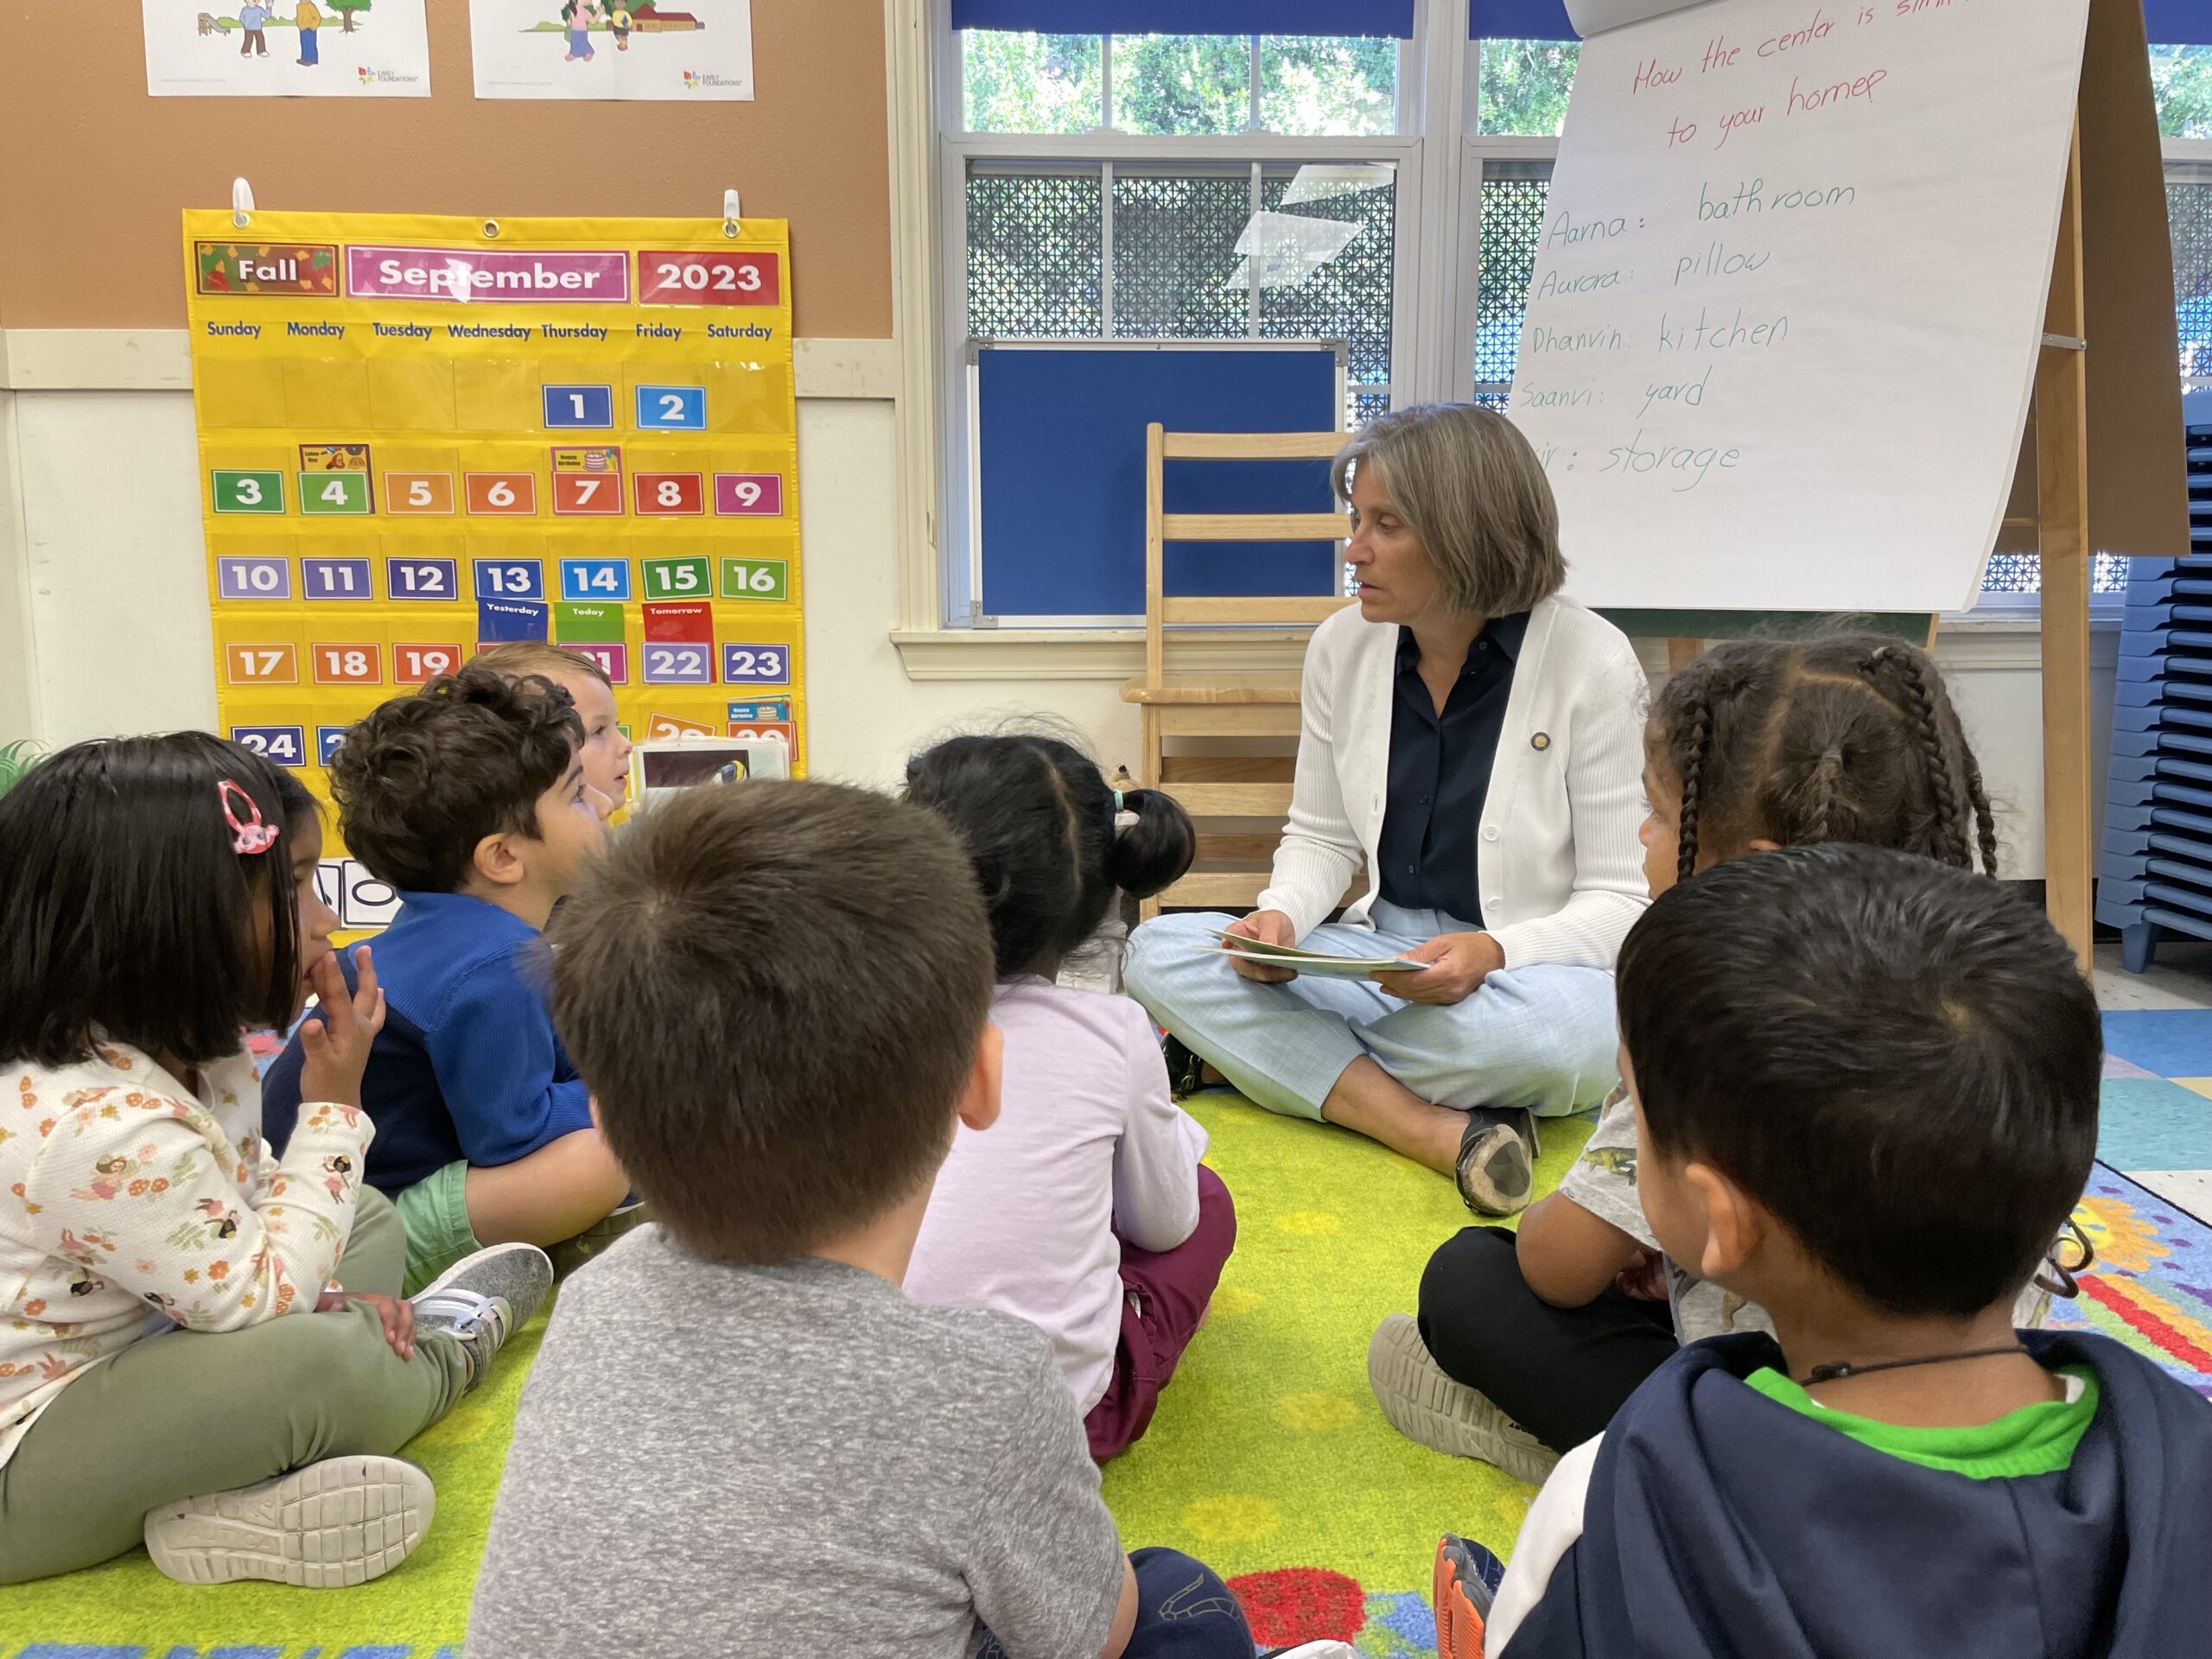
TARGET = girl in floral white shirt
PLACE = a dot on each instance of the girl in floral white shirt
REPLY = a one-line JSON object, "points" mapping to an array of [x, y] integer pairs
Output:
{"points": [[176, 1358]]}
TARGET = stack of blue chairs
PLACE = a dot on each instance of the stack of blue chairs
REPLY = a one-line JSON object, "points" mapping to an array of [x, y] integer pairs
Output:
{"points": [[2156, 874]]}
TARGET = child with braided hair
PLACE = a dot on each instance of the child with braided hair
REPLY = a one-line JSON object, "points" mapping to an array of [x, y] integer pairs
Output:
{"points": [[1525, 1347]]}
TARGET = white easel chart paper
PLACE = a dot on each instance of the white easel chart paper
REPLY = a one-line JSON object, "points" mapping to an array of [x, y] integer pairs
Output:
{"points": [[1783, 322], [284, 48], [684, 51]]}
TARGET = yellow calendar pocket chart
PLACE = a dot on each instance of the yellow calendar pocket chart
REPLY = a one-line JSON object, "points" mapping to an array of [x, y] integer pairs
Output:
{"points": [[420, 436]]}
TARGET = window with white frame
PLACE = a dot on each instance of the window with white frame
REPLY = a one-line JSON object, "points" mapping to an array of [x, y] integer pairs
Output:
{"points": [[1128, 186], [1208, 186]]}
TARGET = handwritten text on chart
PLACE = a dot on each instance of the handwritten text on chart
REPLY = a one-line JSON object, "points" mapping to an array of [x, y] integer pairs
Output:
{"points": [[1737, 234], [1817, 85], [1820, 90]]}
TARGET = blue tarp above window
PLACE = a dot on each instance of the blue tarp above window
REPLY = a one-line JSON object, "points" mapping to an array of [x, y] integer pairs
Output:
{"points": [[1518, 19], [2172, 23], [1372, 17], [2179, 22]]}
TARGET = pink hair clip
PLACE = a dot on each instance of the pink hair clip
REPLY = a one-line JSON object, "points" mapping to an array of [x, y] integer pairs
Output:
{"points": [[253, 835]]}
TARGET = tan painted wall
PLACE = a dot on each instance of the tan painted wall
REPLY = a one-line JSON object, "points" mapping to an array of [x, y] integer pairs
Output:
{"points": [[97, 172]]}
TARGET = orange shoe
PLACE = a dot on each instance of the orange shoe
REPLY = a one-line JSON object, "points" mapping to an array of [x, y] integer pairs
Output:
{"points": [[1466, 1580]]}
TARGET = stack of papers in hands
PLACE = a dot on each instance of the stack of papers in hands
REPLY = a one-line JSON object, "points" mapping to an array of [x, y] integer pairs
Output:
{"points": [[1309, 962]]}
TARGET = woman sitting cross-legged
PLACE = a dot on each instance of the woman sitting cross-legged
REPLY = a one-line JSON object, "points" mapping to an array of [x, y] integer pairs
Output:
{"points": [[1476, 741]]}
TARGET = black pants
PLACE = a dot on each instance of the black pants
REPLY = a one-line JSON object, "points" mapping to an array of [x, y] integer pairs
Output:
{"points": [[1560, 1372]]}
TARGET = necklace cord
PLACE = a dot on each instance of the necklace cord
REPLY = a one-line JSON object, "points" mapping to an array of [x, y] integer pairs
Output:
{"points": [[1843, 1368]]}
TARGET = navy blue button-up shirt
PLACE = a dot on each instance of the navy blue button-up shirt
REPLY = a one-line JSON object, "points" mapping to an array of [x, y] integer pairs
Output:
{"points": [[1439, 772]]}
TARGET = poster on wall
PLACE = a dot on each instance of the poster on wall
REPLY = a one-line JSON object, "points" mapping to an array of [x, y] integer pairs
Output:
{"points": [[623, 49], [287, 49], [420, 436]]}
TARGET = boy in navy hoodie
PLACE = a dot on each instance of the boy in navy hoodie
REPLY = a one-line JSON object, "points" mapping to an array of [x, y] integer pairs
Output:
{"points": [[469, 799], [1867, 1092]]}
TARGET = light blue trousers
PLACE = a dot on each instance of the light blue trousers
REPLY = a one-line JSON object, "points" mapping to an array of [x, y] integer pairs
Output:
{"points": [[1540, 1038]]}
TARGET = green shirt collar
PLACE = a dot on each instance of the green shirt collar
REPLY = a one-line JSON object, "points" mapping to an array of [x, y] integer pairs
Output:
{"points": [[2036, 1439]]}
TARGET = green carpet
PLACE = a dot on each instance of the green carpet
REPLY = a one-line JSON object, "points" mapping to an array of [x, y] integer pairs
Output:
{"points": [[1267, 1458], [125, 1609]]}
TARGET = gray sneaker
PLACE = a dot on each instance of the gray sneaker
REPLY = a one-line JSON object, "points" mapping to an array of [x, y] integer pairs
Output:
{"points": [[1497, 1166], [341, 1521], [484, 1298], [1430, 1409]]}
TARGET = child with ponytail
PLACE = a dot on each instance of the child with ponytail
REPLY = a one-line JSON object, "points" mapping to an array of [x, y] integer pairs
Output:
{"points": [[1084, 1210], [1525, 1347]]}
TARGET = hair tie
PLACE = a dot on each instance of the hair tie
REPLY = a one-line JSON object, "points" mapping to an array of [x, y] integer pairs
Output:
{"points": [[1832, 755], [252, 836], [1118, 807]]}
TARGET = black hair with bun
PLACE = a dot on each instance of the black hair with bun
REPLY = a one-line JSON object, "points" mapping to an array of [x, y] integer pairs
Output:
{"points": [[1042, 829]]}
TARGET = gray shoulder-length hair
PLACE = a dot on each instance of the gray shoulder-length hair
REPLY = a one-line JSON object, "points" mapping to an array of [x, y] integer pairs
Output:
{"points": [[1470, 487]]}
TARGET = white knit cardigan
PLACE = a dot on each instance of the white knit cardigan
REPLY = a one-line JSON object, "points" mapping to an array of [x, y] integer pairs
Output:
{"points": [[1558, 865]]}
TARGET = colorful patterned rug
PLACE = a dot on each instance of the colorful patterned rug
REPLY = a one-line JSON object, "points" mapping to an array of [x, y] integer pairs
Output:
{"points": [[1267, 1457], [2151, 1285]]}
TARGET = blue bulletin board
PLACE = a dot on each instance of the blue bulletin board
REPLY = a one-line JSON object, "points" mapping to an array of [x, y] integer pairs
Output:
{"points": [[1058, 507]]}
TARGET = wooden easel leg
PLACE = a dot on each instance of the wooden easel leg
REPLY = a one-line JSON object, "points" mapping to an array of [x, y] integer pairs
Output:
{"points": [[2062, 488], [1149, 723]]}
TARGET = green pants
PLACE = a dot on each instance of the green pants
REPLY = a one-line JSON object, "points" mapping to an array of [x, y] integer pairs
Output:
{"points": [[188, 1413]]}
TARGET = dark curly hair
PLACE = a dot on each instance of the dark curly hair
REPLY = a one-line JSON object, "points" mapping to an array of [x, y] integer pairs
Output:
{"points": [[1847, 737], [422, 780]]}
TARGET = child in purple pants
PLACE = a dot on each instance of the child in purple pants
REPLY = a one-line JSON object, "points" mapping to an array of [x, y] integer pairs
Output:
{"points": [[1084, 1210]]}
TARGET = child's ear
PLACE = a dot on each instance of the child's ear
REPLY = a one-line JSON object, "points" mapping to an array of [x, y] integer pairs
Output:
{"points": [[1732, 1222], [979, 1101], [497, 862]]}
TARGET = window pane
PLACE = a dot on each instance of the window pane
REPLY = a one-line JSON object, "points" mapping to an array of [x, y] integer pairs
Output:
{"points": [[1328, 87], [2022, 573], [1348, 297], [1524, 86], [1511, 229], [1030, 83], [1176, 272], [1033, 255], [2188, 216], [1182, 83], [2181, 77]]}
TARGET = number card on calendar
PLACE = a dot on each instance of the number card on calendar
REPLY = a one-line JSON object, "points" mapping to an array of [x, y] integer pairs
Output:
{"points": [[580, 431]]}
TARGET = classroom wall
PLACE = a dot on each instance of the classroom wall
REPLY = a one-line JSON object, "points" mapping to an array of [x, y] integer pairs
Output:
{"points": [[103, 613], [118, 636], [118, 639], [96, 170]]}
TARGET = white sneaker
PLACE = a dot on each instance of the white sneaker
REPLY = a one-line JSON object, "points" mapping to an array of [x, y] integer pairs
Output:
{"points": [[1317, 1650], [340, 1521], [1437, 1411]]}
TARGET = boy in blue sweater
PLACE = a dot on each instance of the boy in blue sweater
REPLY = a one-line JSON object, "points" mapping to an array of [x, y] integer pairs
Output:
{"points": [[1867, 1088], [469, 799]]}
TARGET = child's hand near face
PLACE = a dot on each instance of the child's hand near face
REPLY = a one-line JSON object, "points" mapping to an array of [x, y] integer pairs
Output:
{"points": [[337, 1036]]}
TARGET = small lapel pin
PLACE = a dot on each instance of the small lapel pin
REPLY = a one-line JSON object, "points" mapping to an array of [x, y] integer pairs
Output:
{"points": [[1540, 740]]}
